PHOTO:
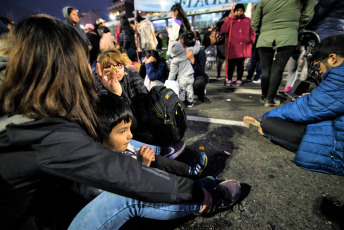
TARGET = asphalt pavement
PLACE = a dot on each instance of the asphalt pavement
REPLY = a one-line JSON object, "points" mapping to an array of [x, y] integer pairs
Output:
{"points": [[276, 194]]}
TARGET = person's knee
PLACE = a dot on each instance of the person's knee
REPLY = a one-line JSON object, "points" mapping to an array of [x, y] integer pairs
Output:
{"points": [[269, 124]]}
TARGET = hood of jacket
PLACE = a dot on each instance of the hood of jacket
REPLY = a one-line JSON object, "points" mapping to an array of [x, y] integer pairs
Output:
{"points": [[65, 12], [176, 49]]}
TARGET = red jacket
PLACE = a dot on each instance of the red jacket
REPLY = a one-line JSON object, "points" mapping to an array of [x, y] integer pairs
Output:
{"points": [[242, 37]]}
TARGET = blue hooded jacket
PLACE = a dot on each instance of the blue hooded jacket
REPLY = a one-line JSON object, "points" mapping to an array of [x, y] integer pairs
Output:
{"points": [[322, 146]]}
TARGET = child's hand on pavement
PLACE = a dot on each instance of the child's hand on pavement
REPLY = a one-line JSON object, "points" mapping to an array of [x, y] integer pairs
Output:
{"points": [[146, 155]]}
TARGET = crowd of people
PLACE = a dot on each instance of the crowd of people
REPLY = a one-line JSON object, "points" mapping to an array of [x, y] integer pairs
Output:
{"points": [[74, 106]]}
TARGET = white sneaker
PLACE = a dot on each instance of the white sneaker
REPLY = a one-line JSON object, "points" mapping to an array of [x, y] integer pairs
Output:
{"points": [[257, 82]]}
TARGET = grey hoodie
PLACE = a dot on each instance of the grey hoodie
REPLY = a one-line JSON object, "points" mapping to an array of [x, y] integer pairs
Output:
{"points": [[77, 27], [180, 65]]}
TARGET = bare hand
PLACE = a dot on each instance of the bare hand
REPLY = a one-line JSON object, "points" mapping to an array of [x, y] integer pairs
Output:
{"points": [[150, 59], [110, 80], [260, 130], [146, 155], [190, 56], [207, 203]]}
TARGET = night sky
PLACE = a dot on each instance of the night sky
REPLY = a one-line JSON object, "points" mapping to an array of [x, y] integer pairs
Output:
{"points": [[16, 9]]}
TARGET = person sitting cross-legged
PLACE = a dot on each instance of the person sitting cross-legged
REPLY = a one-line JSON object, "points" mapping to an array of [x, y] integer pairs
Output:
{"points": [[313, 125]]}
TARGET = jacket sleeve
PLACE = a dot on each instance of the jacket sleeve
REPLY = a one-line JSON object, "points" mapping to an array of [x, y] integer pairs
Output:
{"points": [[68, 152], [199, 64], [252, 34], [306, 13], [173, 32], [225, 26], [173, 71], [124, 39], [155, 74], [324, 103], [257, 17], [195, 49]]}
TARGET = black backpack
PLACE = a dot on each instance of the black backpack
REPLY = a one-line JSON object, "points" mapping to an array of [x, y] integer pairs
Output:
{"points": [[166, 115]]}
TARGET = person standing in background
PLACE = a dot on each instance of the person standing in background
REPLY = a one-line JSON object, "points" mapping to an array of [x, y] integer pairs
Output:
{"points": [[239, 46], [72, 18], [278, 22], [94, 39], [145, 29], [180, 23]]}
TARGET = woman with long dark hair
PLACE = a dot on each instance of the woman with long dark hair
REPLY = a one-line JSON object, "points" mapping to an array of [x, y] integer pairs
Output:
{"points": [[180, 23], [49, 135]]}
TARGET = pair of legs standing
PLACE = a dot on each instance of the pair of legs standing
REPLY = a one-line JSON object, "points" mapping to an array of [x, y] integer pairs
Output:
{"points": [[239, 64], [273, 62]]}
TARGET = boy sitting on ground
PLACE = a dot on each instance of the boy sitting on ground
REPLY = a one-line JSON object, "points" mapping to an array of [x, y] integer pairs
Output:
{"points": [[115, 119]]}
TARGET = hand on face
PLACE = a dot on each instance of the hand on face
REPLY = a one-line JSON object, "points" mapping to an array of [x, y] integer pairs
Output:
{"points": [[150, 59], [110, 80], [146, 155]]}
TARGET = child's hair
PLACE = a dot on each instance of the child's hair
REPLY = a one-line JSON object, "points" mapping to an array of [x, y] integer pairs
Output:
{"points": [[187, 39], [332, 44], [114, 54], [182, 14], [111, 110]]}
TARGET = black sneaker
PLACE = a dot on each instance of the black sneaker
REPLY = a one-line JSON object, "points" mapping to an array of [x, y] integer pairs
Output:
{"points": [[173, 151], [204, 100], [198, 165], [226, 194], [272, 103]]}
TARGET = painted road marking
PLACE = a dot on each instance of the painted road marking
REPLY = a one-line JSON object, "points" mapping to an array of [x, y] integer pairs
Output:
{"points": [[215, 121], [249, 91]]}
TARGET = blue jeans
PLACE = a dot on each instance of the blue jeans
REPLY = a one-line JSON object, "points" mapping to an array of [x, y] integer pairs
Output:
{"points": [[111, 211], [138, 144]]}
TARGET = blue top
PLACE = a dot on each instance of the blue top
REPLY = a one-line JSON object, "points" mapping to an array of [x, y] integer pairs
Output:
{"points": [[322, 146], [156, 73]]}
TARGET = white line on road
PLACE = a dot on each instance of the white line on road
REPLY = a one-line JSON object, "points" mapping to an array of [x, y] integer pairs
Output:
{"points": [[215, 121], [248, 91]]}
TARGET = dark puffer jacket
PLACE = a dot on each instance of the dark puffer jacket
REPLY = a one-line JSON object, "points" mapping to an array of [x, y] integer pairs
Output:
{"points": [[328, 18], [127, 38]]}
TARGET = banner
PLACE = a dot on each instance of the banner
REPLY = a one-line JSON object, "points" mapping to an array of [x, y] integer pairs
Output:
{"points": [[188, 5]]}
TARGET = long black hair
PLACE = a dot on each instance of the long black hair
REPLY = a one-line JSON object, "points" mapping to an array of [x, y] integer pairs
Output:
{"points": [[182, 14], [124, 21]]}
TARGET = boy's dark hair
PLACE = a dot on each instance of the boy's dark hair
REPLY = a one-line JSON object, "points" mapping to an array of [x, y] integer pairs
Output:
{"points": [[111, 110], [332, 44]]}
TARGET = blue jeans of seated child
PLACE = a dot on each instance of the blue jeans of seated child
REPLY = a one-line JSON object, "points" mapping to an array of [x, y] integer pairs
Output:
{"points": [[138, 144], [111, 211]]}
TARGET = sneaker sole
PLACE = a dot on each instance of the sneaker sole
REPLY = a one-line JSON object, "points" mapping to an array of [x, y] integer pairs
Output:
{"points": [[176, 154]]}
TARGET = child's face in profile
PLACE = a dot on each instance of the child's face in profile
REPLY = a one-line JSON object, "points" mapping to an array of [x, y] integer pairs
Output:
{"points": [[119, 137]]}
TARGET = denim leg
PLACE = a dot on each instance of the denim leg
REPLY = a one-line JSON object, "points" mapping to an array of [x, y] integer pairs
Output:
{"points": [[138, 144], [111, 211]]}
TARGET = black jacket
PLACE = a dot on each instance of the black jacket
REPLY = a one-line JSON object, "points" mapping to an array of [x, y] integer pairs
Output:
{"points": [[199, 65], [46, 154], [328, 18], [127, 38], [94, 38]]}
